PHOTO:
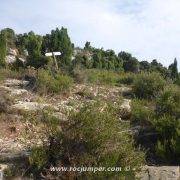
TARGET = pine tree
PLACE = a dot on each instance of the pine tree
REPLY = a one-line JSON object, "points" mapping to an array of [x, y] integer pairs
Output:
{"points": [[34, 43], [2, 49], [174, 70], [59, 40]]}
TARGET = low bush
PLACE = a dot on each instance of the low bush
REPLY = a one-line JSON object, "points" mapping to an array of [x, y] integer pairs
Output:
{"points": [[8, 73], [148, 85], [169, 102], [142, 114], [101, 77], [79, 75], [93, 137], [38, 62], [168, 145], [126, 78], [167, 124], [49, 83]]}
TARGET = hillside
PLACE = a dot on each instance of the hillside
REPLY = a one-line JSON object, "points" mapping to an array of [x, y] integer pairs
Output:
{"points": [[94, 109]]}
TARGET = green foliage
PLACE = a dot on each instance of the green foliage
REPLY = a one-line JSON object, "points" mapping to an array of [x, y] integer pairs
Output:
{"points": [[163, 117], [177, 81], [98, 58], [158, 67], [38, 61], [33, 45], [82, 61], [98, 133], [101, 77], [142, 114], [10, 37], [38, 157], [173, 70], [168, 146], [8, 73], [21, 44], [145, 66], [59, 40], [2, 50], [169, 102], [148, 85], [126, 78], [87, 46], [92, 137], [167, 124], [47, 83], [95, 76], [130, 64]]}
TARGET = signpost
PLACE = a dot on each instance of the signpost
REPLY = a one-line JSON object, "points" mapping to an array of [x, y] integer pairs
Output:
{"points": [[53, 54]]}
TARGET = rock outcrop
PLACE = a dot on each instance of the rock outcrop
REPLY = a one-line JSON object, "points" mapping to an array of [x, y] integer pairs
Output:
{"points": [[160, 173], [12, 56]]}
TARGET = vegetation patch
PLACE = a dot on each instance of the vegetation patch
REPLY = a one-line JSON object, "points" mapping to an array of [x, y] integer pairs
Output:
{"points": [[148, 85], [93, 137], [49, 83]]}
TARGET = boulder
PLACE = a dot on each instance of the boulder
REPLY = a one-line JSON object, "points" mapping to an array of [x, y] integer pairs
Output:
{"points": [[125, 109]]}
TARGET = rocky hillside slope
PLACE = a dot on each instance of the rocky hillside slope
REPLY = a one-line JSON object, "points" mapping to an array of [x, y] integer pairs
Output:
{"points": [[18, 136]]}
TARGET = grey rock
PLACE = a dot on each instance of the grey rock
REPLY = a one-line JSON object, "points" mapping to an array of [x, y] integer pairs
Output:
{"points": [[159, 173]]}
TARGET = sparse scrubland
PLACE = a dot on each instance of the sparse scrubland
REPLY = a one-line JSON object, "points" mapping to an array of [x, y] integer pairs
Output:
{"points": [[98, 109]]}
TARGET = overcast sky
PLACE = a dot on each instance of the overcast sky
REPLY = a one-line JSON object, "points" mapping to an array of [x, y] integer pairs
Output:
{"points": [[149, 29]]}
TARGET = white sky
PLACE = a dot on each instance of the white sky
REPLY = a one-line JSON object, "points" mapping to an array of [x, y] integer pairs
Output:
{"points": [[149, 29]]}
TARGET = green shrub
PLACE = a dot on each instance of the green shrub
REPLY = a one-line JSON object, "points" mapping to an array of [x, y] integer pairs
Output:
{"points": [[178, 80], [169, 102], [95, 76], [126, 78], [167, 124], [80, 75], [47, 83], [168, 145], [38, 157], [93, 137], [142, 114], [8, 73], [38, 61], [103, 77], [148, 85]]}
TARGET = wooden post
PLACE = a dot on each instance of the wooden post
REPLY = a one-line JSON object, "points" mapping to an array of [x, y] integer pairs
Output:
{"points": [[55, 61]]}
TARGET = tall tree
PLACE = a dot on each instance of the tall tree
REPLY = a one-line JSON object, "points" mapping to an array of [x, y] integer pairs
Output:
{"points": [[144, 66], [33, 44], [3, 48], [97, 60], [87, 45], [10, 37], [59, 40], [173, 70], [130, 64]]}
